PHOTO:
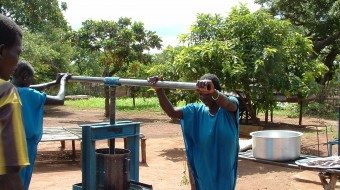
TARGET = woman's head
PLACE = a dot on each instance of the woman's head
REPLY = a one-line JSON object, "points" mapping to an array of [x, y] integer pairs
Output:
{"points": [[206, 98], [23, 75], [214, 80]]}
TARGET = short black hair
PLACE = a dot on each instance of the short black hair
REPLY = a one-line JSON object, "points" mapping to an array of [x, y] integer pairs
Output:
{"points": [[9, 31], [214, 80], [22, 68]]}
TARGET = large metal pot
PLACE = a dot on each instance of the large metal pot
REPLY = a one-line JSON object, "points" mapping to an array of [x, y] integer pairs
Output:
{"points": [[277, 145]]}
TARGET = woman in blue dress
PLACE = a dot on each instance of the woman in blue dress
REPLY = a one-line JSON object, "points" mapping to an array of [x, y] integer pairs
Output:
{"points": [[211, 133], [33, 102]]}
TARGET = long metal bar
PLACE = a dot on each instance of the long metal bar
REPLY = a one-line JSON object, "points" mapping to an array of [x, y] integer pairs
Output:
{"points": [[87, 79], [135, 82]]}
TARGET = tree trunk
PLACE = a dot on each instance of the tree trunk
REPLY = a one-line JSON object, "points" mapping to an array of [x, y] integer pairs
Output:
{"points": [[271, 115], [318, 46], [106, 93], [252, 112], [107, 101], [300, 115], [330, 40], [133, 95], [329, 63]]}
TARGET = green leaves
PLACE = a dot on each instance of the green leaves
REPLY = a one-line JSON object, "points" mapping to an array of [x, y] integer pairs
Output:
{"points": [[250, 52], [118, 43], [37, 15], [45, 41], [48, 55], [319, 20]]}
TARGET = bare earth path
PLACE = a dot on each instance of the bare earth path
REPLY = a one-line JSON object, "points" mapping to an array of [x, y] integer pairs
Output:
{"points": [[166, 166]]}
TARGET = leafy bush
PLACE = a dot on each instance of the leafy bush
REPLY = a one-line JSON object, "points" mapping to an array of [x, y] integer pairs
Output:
{"points": [[290, 110], [324, 110]]}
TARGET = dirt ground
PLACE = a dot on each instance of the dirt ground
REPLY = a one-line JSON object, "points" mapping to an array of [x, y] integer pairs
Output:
{"points": [[166, 166]]}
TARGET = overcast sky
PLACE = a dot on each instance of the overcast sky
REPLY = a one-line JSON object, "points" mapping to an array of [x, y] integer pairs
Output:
{"points": [[168, 18]]}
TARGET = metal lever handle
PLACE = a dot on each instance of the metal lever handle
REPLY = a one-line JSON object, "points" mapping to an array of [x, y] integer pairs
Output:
{"points": [[134, 82]]}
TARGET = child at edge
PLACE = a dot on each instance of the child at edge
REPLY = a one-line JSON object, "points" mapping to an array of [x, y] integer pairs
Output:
{"points": [[210, 133], [13, 149], [33, 102]]}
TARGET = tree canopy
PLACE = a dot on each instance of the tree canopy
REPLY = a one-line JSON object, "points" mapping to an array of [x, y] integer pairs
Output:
{"points": [[37, 15], [118, 43], [254, 54], [45, 29], [48, 55], [320, 21]]}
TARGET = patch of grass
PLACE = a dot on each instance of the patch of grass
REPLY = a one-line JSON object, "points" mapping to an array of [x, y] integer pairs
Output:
{"points": [[149, 104], [332, 132], [324, 110], [290, 110], [92, 102], [313, 109], [122, 104]]}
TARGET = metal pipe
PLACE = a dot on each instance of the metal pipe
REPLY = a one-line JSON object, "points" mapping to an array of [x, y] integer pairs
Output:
{"points": [[135, 82], [87, 79], [162, 84]]}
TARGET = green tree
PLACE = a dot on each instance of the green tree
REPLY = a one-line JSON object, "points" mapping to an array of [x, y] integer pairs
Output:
{"points": [[253, 54], [117, 43], [320, 21], [49, 54], [35, 15], [135, 70], [163, 66], [85, 62]]}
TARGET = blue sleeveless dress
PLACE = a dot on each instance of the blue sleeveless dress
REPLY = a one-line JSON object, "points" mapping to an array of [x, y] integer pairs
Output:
{"points": [[212, 145], [33, 103]]}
